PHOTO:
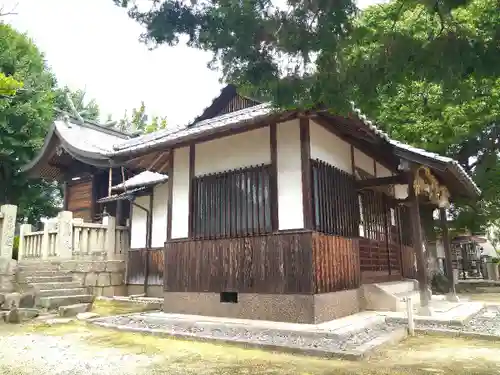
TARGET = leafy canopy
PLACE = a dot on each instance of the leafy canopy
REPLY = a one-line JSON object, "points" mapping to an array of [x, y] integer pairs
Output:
{"points": [[24, 119]]}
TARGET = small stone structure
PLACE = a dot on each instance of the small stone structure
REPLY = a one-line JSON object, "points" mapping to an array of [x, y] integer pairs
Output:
{"points": [[102, 277], [7, 264], [93, 254]]}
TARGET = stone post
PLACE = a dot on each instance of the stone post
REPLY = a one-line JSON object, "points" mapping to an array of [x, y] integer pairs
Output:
{"points": [[45, 242], [110, 243], [64, 243], [7, 230], [22, 251]]}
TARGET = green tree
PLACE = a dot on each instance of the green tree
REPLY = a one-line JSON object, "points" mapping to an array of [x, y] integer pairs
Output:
{"points": [[138, 122], [89, 110], [296, 52], [24, 120]]}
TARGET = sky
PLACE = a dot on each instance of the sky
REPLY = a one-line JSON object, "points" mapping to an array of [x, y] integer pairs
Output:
{"points": [[93, 45]]}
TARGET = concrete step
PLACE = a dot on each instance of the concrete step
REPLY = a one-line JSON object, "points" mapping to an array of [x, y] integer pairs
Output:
{"points": [[48, 279], [56, 285], [40, 266], [62, 292], [74, 310], [397, 287], [42, 273], [55, 302]]}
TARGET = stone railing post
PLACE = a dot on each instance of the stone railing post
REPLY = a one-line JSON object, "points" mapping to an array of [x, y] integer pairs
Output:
{"points": [[44, 253], [65, 235], [110, 242], [22, 251], [7, 230]]}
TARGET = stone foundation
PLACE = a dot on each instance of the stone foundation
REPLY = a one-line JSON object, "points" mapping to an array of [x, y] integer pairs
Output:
{"points": [[152, 291], [103, 278], [8, 269], [292, 308]]}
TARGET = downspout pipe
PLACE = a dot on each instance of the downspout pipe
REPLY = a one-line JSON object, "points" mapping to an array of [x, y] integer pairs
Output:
{"points": [[148, 239]]}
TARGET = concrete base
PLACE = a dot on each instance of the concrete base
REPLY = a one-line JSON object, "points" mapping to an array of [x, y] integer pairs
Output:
{"points": [[152, 291], [274, 307], [452, 298]]}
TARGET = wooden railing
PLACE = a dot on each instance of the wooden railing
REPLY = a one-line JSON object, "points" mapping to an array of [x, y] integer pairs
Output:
{"points": [[68, 238]]}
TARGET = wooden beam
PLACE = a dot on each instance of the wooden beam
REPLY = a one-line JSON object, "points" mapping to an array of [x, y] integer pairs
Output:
{"points": [[170, 184], [192, 156], [417, 244], [274, 176], [151, 166], [305, 153], [399, 179]]}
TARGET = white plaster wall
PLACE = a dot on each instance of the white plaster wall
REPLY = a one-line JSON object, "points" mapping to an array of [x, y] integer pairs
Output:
{"points": [[363, 161], [180, 193], [383, 171], [329, 148], [290, 208], [160, 200], [232, 152], [139, 219]]}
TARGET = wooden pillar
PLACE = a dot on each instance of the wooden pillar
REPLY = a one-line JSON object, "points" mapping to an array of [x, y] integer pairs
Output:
{"points": [[65, 195], [447, 251], [417, 245], [305, 147]]}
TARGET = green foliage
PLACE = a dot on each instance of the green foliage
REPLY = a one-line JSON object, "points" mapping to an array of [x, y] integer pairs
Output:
{"points": [[138, 122], [24, 120], [15, 248], [88, 110], [8, 85]]}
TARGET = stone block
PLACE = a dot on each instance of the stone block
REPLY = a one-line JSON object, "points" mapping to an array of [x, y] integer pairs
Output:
{"points": [[74, 310], [8, 266], [116, 290], [27, 300], [90, 266], [11, 301], [19, 315], [103, 279], [6, 283], [117, 278], [115, 266], [79, 278], [69, 266], [2, 299], [90, 279]]}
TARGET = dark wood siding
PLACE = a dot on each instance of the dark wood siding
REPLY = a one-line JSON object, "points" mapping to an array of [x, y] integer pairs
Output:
{"points": [[271, 263], [237, 103], [80, 198], [136, 266], [336, 263], [408, 262]]}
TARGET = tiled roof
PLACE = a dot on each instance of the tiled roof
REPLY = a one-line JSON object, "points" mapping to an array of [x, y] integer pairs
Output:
{"points": [[239, 118], [165, 137], [146, 178], [87, 138]]}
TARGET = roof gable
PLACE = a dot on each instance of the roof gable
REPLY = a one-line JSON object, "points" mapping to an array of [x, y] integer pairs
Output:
{"points": [[229, 100]]}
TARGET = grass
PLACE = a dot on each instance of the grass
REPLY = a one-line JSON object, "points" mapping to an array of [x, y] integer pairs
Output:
{"points": [[108, 308], [417, 355]]}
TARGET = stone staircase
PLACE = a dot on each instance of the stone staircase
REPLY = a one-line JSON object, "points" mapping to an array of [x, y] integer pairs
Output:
{"points": [[54, 289]]}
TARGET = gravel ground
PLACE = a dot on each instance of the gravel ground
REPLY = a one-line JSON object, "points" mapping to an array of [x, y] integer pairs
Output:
{"points": [[322, 341], [68, 355], [486, 321]]}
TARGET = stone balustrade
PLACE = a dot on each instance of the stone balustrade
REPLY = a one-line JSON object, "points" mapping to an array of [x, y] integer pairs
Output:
{"points": [[66, 238]]}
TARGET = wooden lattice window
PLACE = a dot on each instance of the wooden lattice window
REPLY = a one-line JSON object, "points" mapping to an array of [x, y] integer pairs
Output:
{"points": [[335, 203], [232, 203]]}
